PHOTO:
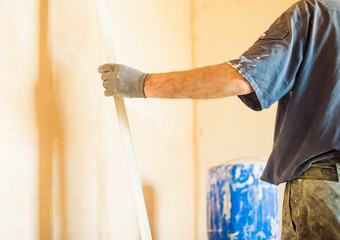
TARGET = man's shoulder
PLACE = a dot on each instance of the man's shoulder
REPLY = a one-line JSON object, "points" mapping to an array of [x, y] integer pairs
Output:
{"points": [[312, 5]]}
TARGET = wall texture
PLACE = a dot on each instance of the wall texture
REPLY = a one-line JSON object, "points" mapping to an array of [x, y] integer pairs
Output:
{"points": [[62, 169], [18, 135]]}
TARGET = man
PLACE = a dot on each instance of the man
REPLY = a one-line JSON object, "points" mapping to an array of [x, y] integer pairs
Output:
{"points": [[296, 62]]}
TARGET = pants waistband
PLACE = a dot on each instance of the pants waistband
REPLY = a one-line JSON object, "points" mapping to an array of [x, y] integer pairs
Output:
{"points": [[327, 169]]}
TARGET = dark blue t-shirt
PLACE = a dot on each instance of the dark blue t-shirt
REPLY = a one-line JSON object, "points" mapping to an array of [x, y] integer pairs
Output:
{"points": [[297, 62]]}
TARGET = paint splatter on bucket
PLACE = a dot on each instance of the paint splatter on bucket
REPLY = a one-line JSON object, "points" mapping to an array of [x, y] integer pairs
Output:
{"points": [[240, 205]]}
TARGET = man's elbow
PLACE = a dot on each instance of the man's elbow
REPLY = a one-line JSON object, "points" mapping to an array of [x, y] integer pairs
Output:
{"points": [[238, 81], [246, 88], [243, 87]]}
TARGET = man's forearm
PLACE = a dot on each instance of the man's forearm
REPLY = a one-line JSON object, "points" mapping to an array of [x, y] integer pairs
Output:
{"points": [[216, 81]]}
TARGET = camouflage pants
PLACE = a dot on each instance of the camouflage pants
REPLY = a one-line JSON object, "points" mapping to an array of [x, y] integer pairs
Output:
{"points": [[311, 207]]}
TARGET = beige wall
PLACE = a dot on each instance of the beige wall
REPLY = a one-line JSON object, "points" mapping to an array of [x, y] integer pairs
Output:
{"points": [[62, 168], [226, 128], [18, 135], [63, 174]]}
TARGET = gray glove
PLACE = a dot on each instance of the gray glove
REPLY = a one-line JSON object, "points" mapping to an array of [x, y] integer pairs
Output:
{"points": [[123, 81]]}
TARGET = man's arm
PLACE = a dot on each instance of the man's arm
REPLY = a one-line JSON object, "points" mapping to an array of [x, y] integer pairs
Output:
{"points": [[216, 81]]}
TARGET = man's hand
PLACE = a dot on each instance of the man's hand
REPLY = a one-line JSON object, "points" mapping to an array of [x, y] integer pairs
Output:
{"points": [[123, 81]]}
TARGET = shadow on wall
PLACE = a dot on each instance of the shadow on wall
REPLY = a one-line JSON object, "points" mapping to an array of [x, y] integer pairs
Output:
{"points": [[49, 119], [151, 208]]}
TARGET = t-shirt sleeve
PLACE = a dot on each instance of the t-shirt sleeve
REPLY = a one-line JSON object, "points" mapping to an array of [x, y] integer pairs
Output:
{"points": [[272, 63]]}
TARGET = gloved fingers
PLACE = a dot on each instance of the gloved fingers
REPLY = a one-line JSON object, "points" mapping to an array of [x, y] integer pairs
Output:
{"points": [[106, 76], [108, 92], [106, 84], [105, 68]]}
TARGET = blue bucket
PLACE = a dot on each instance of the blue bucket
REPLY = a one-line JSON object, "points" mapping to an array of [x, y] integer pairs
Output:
{"points": [[240, 205]]}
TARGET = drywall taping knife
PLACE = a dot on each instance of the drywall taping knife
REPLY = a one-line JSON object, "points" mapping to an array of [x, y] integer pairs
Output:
{"points": [[136, 186]]}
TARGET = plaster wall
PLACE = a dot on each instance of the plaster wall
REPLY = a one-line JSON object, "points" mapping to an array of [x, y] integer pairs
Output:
{"points": [[226, 128], [62, 169]]}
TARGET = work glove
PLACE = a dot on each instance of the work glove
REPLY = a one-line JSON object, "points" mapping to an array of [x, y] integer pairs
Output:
{"points": [[123, 81]]}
